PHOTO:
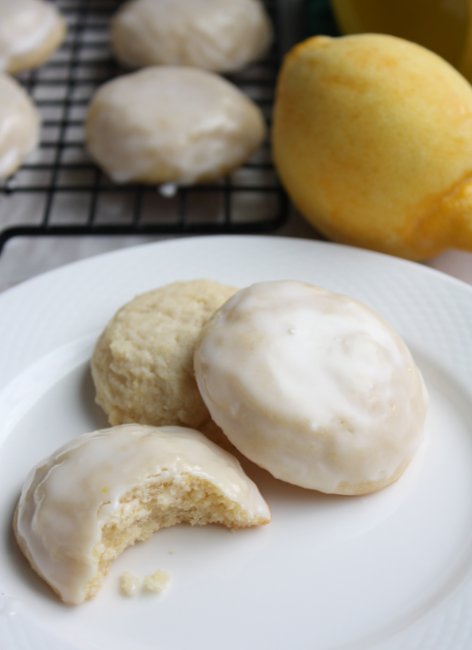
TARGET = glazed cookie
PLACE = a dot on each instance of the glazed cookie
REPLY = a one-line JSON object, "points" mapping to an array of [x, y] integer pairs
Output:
{"points": [[312, 386], [171, 125], [106, 490], [142, 365], [30, 31], [19, 126], [217, 35]]}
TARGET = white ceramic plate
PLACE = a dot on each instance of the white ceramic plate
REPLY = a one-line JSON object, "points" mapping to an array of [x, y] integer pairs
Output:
{"points": [[389, 570]]}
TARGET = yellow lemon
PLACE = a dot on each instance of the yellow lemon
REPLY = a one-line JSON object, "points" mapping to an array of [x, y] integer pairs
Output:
{"points": [[372, 139]]}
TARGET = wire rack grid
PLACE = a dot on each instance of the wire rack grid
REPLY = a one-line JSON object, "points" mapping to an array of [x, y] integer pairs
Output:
{"points": [[59, 191]]}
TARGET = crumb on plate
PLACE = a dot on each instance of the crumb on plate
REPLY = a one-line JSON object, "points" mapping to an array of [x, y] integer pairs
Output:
{"points": [[156, 582], [129, 584]]}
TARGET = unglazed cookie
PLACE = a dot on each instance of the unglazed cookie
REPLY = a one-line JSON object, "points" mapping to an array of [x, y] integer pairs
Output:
{"points": [[142, 365], [312, 386], [217, 35], [19, 125], [30, 31], [171, 125], [106, 490]]}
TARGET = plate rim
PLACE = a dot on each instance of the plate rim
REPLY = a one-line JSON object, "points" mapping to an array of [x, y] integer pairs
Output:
{"points": [[421, 267]]}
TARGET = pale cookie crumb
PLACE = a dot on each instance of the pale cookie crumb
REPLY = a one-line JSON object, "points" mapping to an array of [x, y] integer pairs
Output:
{"points": [[156, 582], [129, 584]]}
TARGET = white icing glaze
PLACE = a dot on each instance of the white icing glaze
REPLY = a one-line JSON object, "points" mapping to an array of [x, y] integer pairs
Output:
{"points": [[19, 125], [171, 125], [68, 498], [25, 26], [168, 190], [217, 35], [312, 386]]}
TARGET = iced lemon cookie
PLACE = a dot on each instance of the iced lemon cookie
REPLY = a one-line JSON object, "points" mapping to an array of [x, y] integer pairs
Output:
{"points": [[19, 126], [142, 365], [104, 491], [30, 31], [312, 386], [171, 125], [217, 35]]}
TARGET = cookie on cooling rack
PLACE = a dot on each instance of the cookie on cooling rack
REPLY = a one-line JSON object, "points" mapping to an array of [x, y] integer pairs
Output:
{"points": [[30, 31], [19, 126], [171, 125], [142, 366], [217, 35]]}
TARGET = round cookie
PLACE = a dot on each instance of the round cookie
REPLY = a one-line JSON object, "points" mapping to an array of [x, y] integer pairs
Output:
{"points": [[142, 365], [19, 125], [30, 31], [217, 35], [106, 490], [312, 386], [171, 125]]}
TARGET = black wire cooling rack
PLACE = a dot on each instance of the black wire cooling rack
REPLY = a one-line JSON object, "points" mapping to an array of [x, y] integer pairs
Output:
{"points": [[61, 192]]}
